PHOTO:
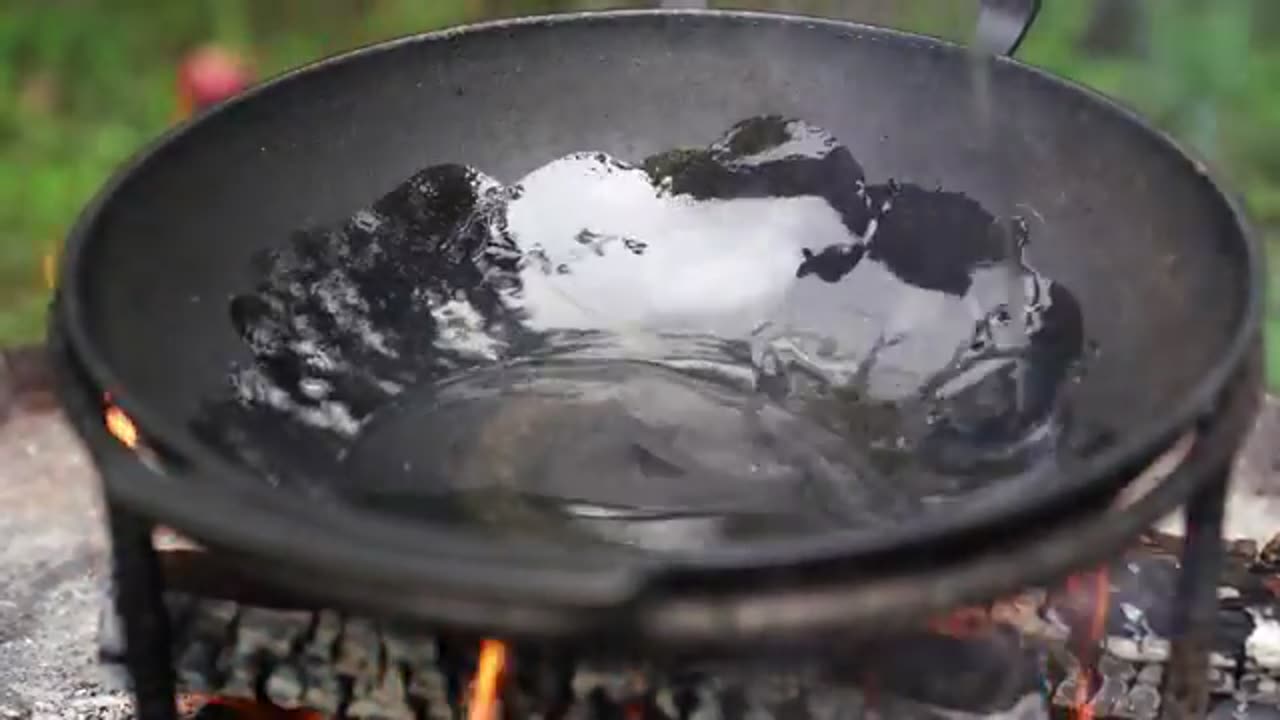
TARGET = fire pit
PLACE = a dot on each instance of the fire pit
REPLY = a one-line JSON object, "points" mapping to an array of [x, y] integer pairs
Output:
{"points": [[712, 392], [1097, 644]]}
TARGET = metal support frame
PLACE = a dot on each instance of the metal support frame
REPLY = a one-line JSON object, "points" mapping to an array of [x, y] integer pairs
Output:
{"points": [[1186, 689], [139, 588]]}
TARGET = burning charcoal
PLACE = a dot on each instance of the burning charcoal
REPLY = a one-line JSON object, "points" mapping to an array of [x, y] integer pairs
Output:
{"points": [[1123, 647], [986, 673], [1221, 682], [1111, 696], [775, 689], [1112, 668], [182, 610], [218, 711], [836, 703], [612, 686], [1143, 703], [1223, 662], [392, 692], [1162, 543], [1269, 556], [285, 686], [324, 636], [241, 680], [273, 631], [1030, 707], [380, 700], [409, 648], [1259, 688], [1154, 649], [324, 692], [428, 687], [709, 704], [214, 620], [398, 674], [1245, 549], [359, 649], [1069, 691], [1139, 615], [1262, 645], [1235, 626], [394, 674], [665, 700], [197, 666]]}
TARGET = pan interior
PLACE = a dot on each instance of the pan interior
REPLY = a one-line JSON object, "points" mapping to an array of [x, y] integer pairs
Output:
{"points": [[714, 344], [312, 278]]}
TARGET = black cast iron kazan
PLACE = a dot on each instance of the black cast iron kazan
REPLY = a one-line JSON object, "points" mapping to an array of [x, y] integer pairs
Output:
{"points": [[1157, 255]]}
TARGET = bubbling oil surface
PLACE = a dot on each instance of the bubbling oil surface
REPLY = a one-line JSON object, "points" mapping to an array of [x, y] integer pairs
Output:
{"points": [[711, 345]]}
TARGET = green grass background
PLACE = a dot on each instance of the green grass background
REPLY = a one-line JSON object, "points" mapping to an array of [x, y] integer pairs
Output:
{"points": [[85, 83]]}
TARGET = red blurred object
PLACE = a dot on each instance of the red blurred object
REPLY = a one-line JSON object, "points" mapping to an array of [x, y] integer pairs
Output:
{"points": [[209, 75]]}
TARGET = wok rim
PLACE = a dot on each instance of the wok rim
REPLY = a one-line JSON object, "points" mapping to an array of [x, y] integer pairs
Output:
{"points": [[288, 530]]}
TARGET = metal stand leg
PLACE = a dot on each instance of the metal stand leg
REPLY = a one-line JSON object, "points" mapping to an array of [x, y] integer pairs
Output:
{"points": [[1186, 690], [139, 600]]}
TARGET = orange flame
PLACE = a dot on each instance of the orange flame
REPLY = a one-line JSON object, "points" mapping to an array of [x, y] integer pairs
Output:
{"points": [[119, 425], [1100, 591], [485, 688]]}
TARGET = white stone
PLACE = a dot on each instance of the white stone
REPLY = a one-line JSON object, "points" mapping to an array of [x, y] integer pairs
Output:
{"points": [[1263, 644], [1154, 649], [1124, 648]]}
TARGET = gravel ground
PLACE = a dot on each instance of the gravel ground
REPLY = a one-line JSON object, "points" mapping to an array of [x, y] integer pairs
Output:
{"points": [[53, 561]]}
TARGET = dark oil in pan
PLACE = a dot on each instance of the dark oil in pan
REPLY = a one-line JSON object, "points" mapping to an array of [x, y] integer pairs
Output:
{"points": [[739, 341]]}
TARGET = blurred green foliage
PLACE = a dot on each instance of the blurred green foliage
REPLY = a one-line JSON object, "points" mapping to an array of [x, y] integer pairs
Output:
{"points": [[85, 83]]}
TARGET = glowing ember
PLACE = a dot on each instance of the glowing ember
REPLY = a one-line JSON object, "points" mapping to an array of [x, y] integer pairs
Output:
{"points": [[485, 689], [190, 705], [119, 425]]}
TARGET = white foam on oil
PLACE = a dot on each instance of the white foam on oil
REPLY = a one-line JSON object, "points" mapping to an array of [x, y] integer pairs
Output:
{"points": [[251, 386], [460, 327], [340, 297], [650, 260]]}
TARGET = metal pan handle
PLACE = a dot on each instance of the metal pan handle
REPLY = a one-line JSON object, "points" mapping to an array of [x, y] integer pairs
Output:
{"points": [[1002, 24]]}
